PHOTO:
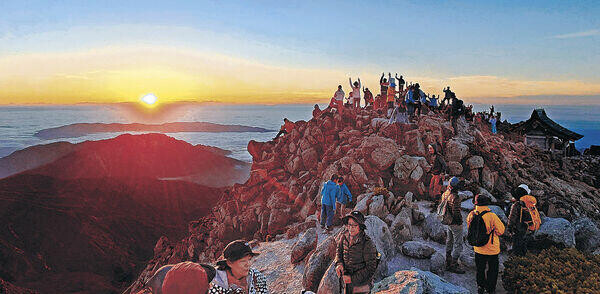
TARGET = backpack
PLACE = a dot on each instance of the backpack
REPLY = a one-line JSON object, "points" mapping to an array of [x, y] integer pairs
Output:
{"points": [[477, 234], [416, 95], [444, 213], [529, 213]]}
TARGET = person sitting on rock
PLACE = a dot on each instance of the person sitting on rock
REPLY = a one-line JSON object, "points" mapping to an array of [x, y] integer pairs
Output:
{"points": [[437, 170], [487, 255], [328, 195], [368, 98], [286, 128], [450, 202], [516, 227], [344, 196], [234, 274], [355, 256]]}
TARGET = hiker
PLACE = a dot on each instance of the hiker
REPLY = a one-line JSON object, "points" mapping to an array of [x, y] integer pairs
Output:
{"points": [[384, 85], [368, 97], [355, 256], [449, 212], [523, 219], [350, 100], [184, 277], [438, 170], [316, 111], [286, 128], [493, 123], [492, 110], [391, 96], [344, 196], [456, 110], [433, 102], [417, 98], [328, 199], [401, 83], [410, 103], [338, 96], [484, 227], [234, 274], [447, 96], [355, 93]]}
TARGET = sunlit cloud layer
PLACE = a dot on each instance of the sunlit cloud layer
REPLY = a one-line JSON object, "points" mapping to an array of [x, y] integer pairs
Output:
{"points": [[124, 74]]}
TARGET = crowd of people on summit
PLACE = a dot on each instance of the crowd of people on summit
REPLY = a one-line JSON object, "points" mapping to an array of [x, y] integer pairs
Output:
{"points": [[356, 258]]}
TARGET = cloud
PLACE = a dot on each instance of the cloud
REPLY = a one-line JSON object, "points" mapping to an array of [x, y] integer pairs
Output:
{"points": [[589, 33], [123, 74]]}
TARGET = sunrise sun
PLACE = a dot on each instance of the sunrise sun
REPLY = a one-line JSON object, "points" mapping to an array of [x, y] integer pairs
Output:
{"points": [[149, 99]]}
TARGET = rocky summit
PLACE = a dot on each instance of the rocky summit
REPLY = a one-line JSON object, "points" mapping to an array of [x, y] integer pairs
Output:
{"points": [[385, 164]]}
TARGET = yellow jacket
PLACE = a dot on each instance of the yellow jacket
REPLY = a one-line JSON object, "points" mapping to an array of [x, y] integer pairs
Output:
{"points": [[492, 222]]}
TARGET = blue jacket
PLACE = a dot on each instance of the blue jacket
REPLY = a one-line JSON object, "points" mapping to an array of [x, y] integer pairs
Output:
{"points": [[409, 97], [344, 196], [329, 193]]}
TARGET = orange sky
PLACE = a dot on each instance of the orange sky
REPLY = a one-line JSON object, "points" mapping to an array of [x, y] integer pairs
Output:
{"points": [[124, 74]]}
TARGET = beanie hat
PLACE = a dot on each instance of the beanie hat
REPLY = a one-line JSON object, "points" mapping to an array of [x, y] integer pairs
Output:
{"points": [[186, 277], [454, 181], [526, 188]]}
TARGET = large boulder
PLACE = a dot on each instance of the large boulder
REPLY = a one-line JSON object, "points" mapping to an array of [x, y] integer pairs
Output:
{"points": [[401, 226], [438, 263], [434, 229], [417, 249], [554, 232], [380, 234], [410, 167], [317, 264], [475, 162], [378, 207], [278, 219], [455, 168], [415, 281], [382, 152], [330, 284], [456, 151], [305, 244], [359, 174], [587, 235]]}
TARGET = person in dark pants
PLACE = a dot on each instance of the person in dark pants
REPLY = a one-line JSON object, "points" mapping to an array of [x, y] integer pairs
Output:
{"points": [[328, 195], [518, 229], [487, 255], [286, 128], [356, 256]]}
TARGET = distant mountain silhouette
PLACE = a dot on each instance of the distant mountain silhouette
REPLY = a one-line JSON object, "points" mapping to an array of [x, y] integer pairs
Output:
{"points": [[130, 156], [87, 219], [82, 129]]}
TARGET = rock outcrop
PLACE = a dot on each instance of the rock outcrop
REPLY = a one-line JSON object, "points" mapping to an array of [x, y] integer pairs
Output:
{"points": [[287, 175], [416, 281]]}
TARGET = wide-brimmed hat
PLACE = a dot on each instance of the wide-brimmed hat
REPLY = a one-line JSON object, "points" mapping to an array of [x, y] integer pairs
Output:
{"points": [[357, 216], [234, 251]]}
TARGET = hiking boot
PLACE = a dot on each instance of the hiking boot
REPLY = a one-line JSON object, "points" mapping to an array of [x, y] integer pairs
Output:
{"points": [[480, 290]]}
